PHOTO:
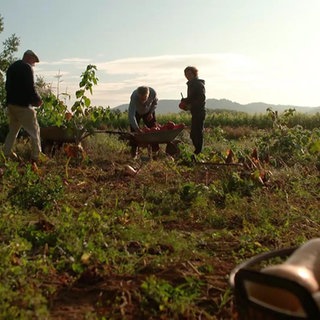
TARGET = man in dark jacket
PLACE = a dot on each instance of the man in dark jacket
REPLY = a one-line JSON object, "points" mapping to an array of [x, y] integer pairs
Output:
{"points": [[21, 100], [196, 99]]}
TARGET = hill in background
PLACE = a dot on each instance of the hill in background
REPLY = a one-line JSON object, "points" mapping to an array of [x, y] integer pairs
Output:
{"points": [[171, 106]]}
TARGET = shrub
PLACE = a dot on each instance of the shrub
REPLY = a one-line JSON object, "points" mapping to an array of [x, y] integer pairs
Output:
{"points": [[27, 189]]}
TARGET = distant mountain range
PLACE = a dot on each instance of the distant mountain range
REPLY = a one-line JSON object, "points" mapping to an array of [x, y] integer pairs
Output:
{"points": [[171, 106]]}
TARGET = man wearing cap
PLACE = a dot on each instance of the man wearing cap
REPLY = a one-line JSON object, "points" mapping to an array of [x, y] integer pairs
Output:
{"points": [[20, 100]]}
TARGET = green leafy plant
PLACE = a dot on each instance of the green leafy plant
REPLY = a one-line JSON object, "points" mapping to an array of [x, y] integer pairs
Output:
{"points": [[285, 144], [52, 112], [166, 298], [84, 118], [27, 188]]}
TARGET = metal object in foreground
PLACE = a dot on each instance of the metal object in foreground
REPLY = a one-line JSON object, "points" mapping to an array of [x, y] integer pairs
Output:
{"points": [[250, 308]]}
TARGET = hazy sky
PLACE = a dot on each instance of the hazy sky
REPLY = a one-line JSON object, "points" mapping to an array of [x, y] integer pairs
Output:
{"points": [[246, 50]]}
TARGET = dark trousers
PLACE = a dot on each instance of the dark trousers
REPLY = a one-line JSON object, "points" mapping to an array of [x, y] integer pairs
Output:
{"points": [[149, 123], [196, 133]]}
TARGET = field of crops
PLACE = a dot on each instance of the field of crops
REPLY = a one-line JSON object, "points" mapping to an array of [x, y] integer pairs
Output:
{"points": [[84, 238]]}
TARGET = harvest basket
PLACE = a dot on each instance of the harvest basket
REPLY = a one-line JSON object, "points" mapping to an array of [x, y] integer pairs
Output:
{"points": [[250, 308]]}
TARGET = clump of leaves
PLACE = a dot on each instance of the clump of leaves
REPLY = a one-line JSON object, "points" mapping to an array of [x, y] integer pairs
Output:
{"points": [[52, 112], [238, 184], [26, 188], [217, 194], [286, 145], [190, 191], [20, 282], [163, 297]]}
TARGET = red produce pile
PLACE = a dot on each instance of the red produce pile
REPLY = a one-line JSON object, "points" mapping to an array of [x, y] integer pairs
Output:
{"points": [[168, 126]]}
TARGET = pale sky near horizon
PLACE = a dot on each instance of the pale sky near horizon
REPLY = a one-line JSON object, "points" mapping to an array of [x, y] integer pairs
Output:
{"points": [[246, 50]]}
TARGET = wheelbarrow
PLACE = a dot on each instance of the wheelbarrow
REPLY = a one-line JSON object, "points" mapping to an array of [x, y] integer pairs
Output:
{"points": [[167, 137], [62, 134], [53, 137]]}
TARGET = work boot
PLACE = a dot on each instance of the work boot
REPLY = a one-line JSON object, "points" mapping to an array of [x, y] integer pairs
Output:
{"points": [[134, 153], [155, 155], [194, 158], [42, 158], [12, 156]]}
